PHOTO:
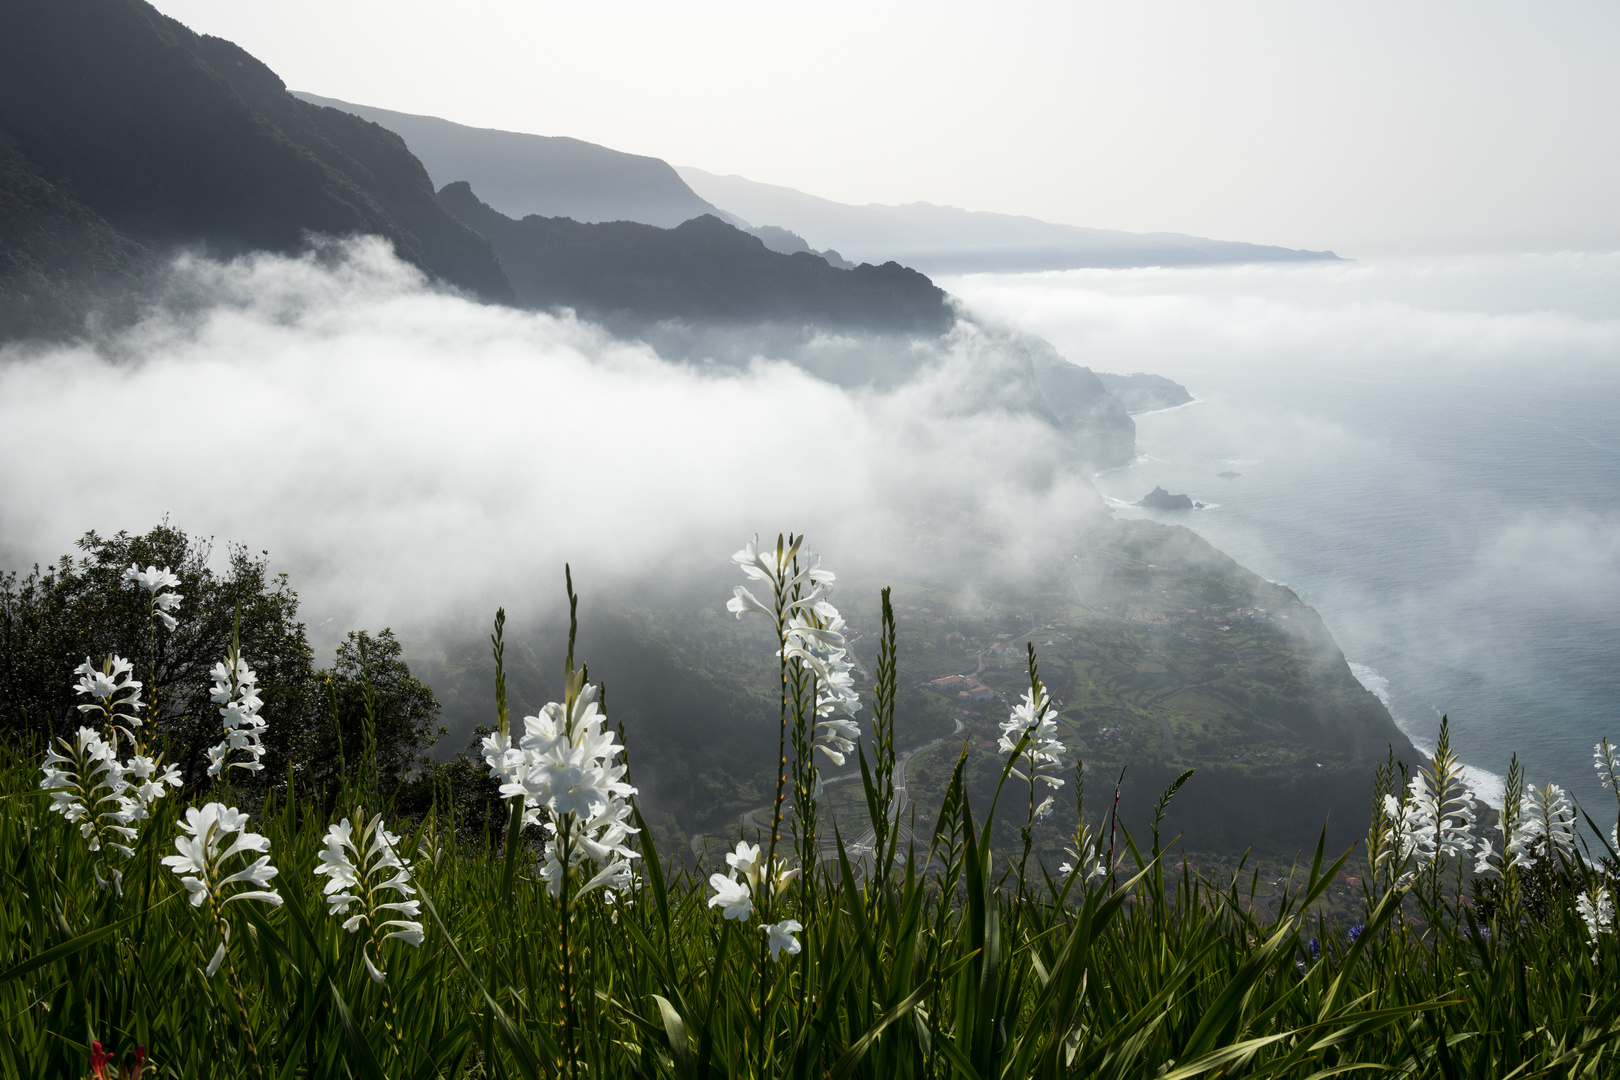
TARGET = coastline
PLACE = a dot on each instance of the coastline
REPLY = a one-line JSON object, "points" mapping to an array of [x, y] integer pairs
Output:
{"points": [[1166, 409], [1489, 787]]}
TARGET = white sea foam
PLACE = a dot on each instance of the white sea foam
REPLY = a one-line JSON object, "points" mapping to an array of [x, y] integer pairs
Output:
{"points": [[1488, 786], [1169, 408]]}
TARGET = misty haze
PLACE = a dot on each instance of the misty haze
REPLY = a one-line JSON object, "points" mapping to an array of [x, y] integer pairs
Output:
{"points": [[563, 518]]}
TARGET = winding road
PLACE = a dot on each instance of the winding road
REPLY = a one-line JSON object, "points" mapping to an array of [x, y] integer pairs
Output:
{"points": [[865, 842]]}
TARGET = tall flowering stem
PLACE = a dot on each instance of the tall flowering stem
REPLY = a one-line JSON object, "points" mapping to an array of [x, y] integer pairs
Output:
{"points": [[212, 867], [1596, 909], [776, 573], [1030, 733], [90, 785], [818, 702], [159, 584], [1086, 856], [818, 698], [236, 692], [1381, 832], [1432, 822], [1606, 760], [886, 818], [364, 873], [88, 788], [1507, 826], [569, 767], [1545, 830]]}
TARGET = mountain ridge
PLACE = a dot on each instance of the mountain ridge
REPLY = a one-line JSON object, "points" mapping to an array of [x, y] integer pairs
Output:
{"points": [[550, 175], [177, 140], [703, 269], [948, 239]]}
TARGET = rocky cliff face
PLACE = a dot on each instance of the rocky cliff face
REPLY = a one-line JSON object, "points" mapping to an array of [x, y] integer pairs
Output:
{"points": [[1144, 393], [1080, 403], [60, 262], [175, 139]]}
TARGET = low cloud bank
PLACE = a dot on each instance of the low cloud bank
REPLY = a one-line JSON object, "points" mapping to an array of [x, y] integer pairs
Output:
{"points": [[410, 456], [1450, 315]]}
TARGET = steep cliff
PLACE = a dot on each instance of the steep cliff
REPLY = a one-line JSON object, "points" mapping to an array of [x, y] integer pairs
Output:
{"points": [[176, 139]]}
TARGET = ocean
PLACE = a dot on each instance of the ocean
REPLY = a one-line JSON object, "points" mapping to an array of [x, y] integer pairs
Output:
{"points": [[1426, 450]]}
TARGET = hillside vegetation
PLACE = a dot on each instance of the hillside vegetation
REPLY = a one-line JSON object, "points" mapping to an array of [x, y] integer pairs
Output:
{"points": [[156, 927]]}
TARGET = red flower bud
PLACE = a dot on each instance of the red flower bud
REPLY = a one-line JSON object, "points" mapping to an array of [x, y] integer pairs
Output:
{"points": [[98, 1060]]}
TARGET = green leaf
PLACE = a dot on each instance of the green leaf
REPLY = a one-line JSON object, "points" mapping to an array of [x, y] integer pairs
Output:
{"points": [[360, 1047], [76, 945], [680, 1044]]}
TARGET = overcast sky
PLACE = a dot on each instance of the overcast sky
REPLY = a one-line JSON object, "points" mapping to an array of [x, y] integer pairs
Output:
{"points": [[1367, 128]]}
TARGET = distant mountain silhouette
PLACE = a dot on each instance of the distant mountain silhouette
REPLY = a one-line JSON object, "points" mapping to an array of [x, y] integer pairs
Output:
{"points": [[701, 270], [549, 175], [788, 243], [167, 138], [946, 240]]}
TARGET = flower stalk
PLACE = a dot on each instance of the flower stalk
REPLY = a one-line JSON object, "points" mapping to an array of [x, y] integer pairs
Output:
{"points": [[204, 863]]}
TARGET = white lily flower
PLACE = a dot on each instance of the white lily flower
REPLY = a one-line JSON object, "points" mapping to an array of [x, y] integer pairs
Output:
{"points": [[1546, 828], [201, 858], [159, 584], [751, 563], [361, 870], [90, 788], [1485, 859], [151, 579], [1042, 754], [745, 860], [571, 766], [613, 877], [781, 939], [1596, 909], [744, 601], [115, 692], [236, 691], [215, 961], [731, 896]]}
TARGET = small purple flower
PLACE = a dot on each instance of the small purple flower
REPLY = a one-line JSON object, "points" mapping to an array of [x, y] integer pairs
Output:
{"points": [[1316, 950], [1355, 932]]}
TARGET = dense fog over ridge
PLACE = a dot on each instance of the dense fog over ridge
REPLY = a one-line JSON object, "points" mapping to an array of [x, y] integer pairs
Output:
{"points": [[415, 459], [409, 455]]}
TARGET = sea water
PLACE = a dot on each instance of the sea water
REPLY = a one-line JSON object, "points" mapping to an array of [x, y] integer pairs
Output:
{"points": [[1426, 450]]}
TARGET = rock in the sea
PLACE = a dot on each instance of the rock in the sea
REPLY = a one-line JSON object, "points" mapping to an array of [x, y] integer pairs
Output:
{"points": [[1160, 499]]}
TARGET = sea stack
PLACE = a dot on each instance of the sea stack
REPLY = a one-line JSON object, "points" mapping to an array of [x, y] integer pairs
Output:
{"points": [[1160, 499]]}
